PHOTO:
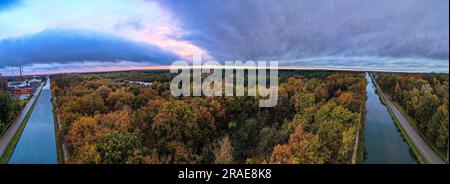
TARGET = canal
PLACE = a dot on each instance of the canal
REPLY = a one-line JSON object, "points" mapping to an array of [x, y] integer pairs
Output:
{"points": [[37, 143], [384, 143]]}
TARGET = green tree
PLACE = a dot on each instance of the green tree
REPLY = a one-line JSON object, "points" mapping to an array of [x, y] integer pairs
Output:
{"points": [[8, 108], [440, 119], [115, 148], [177, 120]]}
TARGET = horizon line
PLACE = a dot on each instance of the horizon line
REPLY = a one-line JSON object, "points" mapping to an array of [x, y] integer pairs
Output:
{"points": [[167, 67]]}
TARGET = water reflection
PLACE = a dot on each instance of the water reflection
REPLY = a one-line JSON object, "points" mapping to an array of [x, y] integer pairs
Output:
{"points": [[37, 143], [384, 143]]}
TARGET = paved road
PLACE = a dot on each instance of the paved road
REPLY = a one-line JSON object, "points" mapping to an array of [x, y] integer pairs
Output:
{"points": [[425, 150], [355, 148], [9, 134]]}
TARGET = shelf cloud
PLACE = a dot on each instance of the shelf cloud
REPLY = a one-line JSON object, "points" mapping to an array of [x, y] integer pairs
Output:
{"points": [[78, 45]]}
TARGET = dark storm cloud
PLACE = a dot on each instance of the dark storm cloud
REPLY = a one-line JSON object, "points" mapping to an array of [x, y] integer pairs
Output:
{"points": [[295, 29], [69, 46]]}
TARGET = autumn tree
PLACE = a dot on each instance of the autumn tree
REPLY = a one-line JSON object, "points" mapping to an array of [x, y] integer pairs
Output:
{"points": [[87, 154], [87, 105], [104, 91], [118, 121], [224, 153], [177, 121], [302, 148], [85, 130], [179, 153], [117, 99], [281, 155]]}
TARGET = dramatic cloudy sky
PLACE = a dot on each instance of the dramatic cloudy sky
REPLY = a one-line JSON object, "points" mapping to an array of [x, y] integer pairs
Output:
{"points": [[85, 35]]}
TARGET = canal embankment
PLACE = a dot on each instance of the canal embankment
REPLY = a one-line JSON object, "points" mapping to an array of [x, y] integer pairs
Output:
{"points": [[383, 139], [37, 144], [9, 139]]}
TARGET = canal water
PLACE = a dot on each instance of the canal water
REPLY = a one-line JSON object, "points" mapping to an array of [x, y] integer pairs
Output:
{"points": [[37, 143], [384, 143]]}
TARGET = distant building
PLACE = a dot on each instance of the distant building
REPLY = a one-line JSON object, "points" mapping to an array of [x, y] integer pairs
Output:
{"points": [[23, 91], [16, 84], [34, 81]]}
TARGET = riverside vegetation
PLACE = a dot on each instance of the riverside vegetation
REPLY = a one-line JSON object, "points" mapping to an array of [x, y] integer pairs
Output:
{"points": [[423, 98]]}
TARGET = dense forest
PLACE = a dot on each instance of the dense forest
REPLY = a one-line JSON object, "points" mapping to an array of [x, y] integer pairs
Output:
{"points": [[104, 118], [424, 98], [9, 107]]}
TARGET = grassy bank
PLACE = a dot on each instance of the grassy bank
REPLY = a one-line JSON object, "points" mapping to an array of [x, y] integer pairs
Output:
{"points": [[59, 149], [12, 145], [413, 147], [22, 104], [361, 147]]}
